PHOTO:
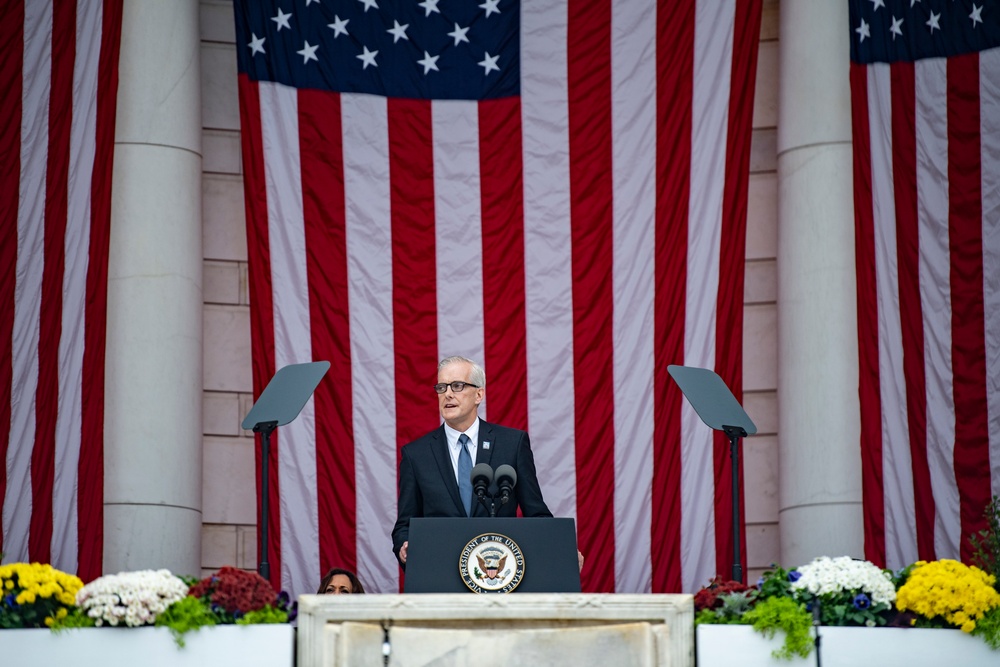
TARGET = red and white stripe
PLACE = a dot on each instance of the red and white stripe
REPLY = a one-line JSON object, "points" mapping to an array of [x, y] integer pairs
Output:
{"points": [[576, 240], [926, 201], [59, 68]]}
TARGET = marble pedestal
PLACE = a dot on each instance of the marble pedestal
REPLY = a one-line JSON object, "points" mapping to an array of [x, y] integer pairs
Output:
{"points": [[488, 630]]}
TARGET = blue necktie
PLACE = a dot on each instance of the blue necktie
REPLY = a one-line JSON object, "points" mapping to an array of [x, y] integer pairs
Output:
{"points": [[464, 471]]}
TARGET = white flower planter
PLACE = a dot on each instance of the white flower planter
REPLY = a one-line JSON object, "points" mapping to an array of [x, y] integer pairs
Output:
{"points": [[245, 645], [725, 645]]}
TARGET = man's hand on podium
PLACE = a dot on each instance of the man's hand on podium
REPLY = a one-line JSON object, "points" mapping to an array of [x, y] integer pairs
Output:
{"points": [[579, 557]]}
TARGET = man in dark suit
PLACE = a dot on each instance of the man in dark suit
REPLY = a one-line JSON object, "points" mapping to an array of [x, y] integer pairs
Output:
{"points": [[434, 469]]}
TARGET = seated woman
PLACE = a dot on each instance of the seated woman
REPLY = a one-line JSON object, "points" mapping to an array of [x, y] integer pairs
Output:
{"points": [[340, 582]]}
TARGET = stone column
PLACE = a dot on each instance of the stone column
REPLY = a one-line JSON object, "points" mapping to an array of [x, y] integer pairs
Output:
{"points": [[819, 416], [153, 425]]}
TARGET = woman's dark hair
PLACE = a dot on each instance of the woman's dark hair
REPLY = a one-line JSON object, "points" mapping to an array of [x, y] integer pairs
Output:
{"points": [[356, 586]]}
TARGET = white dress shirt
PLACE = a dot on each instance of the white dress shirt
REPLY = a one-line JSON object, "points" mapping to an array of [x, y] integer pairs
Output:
{"points": [[455, 449]]}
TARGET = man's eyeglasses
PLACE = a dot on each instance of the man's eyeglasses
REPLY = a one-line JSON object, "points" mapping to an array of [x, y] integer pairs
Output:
{"points": [[456, 387]]}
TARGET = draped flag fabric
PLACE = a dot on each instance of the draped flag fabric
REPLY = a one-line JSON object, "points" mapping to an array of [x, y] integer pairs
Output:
{"points": [[59, 74], [925, 86], [556, 188]]}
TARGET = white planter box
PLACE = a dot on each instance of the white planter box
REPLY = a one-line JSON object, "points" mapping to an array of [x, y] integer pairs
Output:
{"points": [[725, 645], [245, 645]]}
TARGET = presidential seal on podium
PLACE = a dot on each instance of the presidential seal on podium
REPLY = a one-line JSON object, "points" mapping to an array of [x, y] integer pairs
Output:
{"points": [[491, 563]]}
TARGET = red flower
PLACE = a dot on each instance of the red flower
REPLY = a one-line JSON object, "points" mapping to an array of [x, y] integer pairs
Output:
{"points": [[708, 597], [235, 590]]}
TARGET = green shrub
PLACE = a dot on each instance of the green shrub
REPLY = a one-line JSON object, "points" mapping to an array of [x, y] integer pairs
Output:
{"points": [[782, 613]]}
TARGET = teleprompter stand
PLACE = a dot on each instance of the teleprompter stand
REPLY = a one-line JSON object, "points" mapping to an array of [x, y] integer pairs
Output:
{"points": [[280, 403], [718, 408]]}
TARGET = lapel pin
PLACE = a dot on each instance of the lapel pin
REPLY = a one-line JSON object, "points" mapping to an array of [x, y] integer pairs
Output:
{"points": [[486, 444]]}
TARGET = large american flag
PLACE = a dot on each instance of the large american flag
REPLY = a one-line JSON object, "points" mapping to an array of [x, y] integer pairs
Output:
{"points": [[554, 187], [925, 84], [59, 77]]}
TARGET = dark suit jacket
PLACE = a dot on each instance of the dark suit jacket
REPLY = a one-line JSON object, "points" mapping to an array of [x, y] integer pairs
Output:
{"points": [[427, 485]]}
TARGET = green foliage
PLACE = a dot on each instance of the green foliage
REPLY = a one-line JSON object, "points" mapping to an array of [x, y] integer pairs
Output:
{"points": [[988, 628], [986, 545], [731, 612], [840, 609], [736, 604], [775, 584], [186, 615], [76, 618], [709, 617], [900, 577], [782, 613], [268, 614]]}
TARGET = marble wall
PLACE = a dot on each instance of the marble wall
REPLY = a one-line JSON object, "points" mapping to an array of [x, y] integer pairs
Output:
{"points": [[496, 630]]}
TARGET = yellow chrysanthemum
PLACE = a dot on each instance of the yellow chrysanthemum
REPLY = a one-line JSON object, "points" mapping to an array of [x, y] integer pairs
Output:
{"points": [[45, 593], [958, 593]]}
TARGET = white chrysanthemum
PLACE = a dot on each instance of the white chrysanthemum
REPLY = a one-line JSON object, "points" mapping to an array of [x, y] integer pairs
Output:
{"points": [[132, 598], [845, 575]]}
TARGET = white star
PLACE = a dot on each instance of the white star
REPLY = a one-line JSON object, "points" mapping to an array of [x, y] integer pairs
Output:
{"points": [[309, 2], [339, 26], [933, 22], [282, 20], [429, 6], [877, 3], [368, 58], [976, 15], [459, 34], [256, 44], [863, 31], [896, 28], [490, 6], [429, 62], [398, 32], [488, 63], [369, 4], [913, 2], [308, 53]]}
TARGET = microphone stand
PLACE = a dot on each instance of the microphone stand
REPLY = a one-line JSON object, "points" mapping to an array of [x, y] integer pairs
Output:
{"points": [[816, 623], [491, 508], [504, 497]]}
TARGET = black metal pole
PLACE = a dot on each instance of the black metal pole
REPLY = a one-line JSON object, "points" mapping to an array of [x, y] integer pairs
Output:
{"points": [[735, 433], [265, 429]]}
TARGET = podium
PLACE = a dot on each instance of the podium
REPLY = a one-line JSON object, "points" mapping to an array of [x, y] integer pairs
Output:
{"points": [[492, 555]]}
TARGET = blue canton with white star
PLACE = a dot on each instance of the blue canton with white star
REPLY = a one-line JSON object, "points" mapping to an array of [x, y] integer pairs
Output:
{"points": [[908, 30], [418, 49]]}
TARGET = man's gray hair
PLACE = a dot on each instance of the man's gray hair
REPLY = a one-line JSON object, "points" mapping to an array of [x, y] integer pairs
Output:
{"points": [[477, 376]]}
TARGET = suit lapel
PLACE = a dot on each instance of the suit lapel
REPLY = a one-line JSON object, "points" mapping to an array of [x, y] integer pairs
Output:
{"points": [[486, 443], [443, 457], [484, 454]]}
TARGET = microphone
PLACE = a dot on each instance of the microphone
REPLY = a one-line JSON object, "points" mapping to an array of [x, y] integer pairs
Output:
{"points": [[506, 480], [481, 476]]}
